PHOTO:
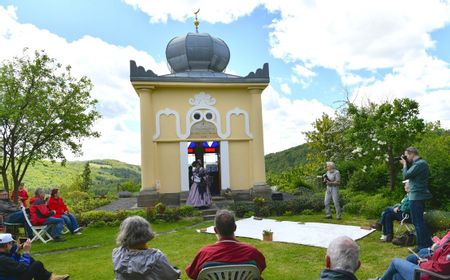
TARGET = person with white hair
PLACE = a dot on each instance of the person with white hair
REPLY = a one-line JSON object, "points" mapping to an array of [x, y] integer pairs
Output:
{"points": [[134, 260], [332, 179], [397, 212], [341, 260]]}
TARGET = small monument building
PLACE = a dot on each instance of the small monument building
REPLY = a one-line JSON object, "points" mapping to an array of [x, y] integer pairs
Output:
{"points": [[199, 112]]}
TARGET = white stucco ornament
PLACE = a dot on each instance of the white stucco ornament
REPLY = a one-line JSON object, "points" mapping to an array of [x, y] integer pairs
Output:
{"points": [[202, 110], [202, 99]]}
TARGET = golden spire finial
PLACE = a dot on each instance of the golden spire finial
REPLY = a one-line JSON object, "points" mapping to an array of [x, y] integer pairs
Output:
{"points": [[196, 21]]}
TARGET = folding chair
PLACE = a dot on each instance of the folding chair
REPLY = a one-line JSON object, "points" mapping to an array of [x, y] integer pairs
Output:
{"points": [[230, 272], [404, 223], [40, 232]]}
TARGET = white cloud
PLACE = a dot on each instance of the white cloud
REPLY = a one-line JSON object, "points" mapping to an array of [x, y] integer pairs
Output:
{"points": [[212, 11], [353, 34], [286, 119], [285, 88], [106, 65], [425, 79], [303, 71]]}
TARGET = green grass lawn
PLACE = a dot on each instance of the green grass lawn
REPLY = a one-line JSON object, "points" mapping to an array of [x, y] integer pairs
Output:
{"points": [[88, 256]]}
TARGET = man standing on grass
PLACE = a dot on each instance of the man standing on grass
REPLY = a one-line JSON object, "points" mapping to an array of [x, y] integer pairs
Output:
{"points": [[332, 179], [417, 174], [227, 250]]}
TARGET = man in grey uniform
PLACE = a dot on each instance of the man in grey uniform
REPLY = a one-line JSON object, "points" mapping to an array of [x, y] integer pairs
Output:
{"points": [[332, 179]]}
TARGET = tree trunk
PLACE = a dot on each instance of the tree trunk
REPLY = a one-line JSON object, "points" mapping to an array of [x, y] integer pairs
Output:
{"points": [[5, 182], [391, 168]]}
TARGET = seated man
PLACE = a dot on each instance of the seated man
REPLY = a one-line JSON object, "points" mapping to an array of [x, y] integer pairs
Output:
{"points": [[227, 249], [397, 212], [342, 259], [41, 215], [439, 262], [21, 267], [12, 213]]}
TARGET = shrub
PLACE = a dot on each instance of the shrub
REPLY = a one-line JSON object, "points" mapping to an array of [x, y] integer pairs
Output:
{"points": [[160, 208], [130, 186], [249, 214], [437, 220], [93, 217], [369, 180], [241, 208], [278, 208]]}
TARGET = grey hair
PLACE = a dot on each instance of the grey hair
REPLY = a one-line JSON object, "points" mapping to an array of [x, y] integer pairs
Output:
{"points": [[344, 254], [39, 192], [225, 223], [330, 163], [412, 150], [134, 230]]}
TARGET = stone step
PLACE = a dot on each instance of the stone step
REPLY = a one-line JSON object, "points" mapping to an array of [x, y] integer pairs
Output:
{"points": [[210, 211], [209, 217]]}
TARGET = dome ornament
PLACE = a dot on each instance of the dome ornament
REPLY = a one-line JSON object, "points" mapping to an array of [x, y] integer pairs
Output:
{"points": [[196, 21]]}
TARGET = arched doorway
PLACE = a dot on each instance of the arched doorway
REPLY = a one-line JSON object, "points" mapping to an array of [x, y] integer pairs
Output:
{"points": [[208, 153]]}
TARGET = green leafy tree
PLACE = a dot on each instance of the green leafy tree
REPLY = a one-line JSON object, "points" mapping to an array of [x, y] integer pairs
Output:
{"points": [[86, 180], [381, 132], [434, 147], [327, 141], [44, 111]]}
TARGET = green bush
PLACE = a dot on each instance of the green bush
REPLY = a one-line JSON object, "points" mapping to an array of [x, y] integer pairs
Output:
{"points": [[368, 180], [130, 186], [241, 208], [437, 220], [93, 217]]}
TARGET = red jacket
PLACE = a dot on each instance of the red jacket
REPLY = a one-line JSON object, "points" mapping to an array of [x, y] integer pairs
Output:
{"points": [[227, 251], [23, 195], [439, 262], [39, 211], [57, 204]]}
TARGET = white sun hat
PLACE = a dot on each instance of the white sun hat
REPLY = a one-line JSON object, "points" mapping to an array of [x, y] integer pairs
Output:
{"points": [[5, 238]]}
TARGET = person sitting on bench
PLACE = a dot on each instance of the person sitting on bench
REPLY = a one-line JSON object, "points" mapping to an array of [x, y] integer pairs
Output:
{"points": [[397, 212], [15, 266]]}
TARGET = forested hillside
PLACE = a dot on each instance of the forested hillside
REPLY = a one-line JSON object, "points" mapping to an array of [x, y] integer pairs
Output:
{"points": [[281, 161]]}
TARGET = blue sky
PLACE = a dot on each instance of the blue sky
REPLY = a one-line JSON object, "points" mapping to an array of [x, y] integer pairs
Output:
{"points": [[319, 52]]}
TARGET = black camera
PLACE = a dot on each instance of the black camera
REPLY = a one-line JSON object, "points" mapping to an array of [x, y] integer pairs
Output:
{"points": [[400, 157]]}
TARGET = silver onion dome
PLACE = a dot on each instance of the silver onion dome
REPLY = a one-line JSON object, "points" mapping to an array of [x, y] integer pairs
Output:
{"points": [[197, 52]]}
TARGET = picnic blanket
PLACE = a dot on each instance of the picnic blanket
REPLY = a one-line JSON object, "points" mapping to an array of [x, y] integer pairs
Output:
{"points": [[312, 234]]}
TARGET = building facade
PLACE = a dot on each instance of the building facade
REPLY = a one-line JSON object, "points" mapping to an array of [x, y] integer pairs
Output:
{"points": [[198, 112]]}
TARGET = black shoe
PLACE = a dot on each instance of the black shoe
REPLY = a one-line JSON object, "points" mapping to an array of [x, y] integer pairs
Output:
{"points": [[377, 226], [328, 217], [59, 239]]}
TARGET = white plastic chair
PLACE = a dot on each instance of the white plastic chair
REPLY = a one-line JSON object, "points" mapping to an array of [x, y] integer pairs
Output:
{"points": [[230, 272], [39, 232]]}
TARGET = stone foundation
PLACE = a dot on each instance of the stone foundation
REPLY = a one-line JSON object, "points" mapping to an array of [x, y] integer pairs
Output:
{"points": [[261, 190], [147, 198]]}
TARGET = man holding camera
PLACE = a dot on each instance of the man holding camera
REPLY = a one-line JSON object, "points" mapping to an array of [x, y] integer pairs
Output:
{"points": [[415, 169], [332, 179]]}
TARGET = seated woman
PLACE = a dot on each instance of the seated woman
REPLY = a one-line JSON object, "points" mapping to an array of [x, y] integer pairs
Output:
{"points": [[400, 269], [397, 212], [133, 259], [57, 204], [425, 253]]}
